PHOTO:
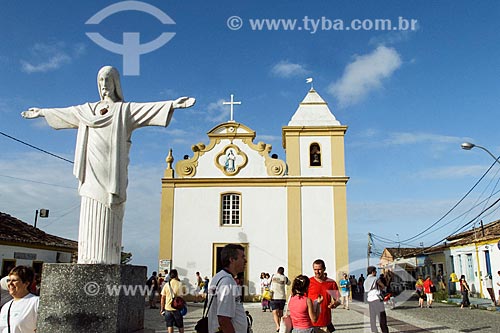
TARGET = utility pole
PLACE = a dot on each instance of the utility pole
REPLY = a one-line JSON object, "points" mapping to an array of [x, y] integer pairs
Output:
{"points": [[369, 249]]}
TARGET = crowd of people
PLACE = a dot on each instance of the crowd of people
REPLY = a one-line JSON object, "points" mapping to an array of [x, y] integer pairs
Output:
{"points": [[309, 306]]}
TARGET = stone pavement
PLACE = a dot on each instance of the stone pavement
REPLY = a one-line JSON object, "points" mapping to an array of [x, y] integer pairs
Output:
{"points": [[406, 317]]}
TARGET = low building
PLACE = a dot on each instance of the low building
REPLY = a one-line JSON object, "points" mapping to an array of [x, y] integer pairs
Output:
{"points": [[23, 244], [476, 253]]}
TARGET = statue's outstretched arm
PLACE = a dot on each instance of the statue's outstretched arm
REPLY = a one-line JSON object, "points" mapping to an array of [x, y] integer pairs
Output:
{"points": [[183, 102], [32, 113]]}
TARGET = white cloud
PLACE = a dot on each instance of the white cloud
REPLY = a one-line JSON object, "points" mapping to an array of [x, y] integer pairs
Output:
{"points": [[453, 172], [364, 75], [374, 138], [405, 138], [48, 57], [217, 112], [286, 69]]}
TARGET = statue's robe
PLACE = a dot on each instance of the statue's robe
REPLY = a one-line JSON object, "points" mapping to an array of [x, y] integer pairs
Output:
{"points": [[101, 166]]}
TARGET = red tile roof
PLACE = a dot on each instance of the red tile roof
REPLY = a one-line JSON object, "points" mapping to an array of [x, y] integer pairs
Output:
{"points": [[13, 230]]}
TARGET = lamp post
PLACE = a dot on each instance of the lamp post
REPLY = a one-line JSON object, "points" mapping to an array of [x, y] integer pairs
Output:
{"points": [[43, 213], [469, 146]]}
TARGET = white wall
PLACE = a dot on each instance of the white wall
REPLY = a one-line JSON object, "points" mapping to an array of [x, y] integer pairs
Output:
{"points": [[326, 158], [46, 256], [495, 265], [460, 261], [263, 226], [318, 229], [255, 164]]}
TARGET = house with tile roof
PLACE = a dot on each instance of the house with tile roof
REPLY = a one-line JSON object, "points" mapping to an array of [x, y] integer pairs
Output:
{"points": [[23, 244], [474, 253]]}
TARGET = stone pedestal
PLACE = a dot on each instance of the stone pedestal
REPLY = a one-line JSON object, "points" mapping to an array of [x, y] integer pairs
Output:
{"points": [[92, 298]]}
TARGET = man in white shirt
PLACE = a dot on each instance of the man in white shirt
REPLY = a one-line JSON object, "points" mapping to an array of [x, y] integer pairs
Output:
{"points": [[278, 283], [376, 307], [226, 313]]}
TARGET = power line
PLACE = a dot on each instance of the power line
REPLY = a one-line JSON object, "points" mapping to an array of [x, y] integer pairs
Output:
{"points": [[454, 206], [460, 228], [37, 182], [34, 147]]}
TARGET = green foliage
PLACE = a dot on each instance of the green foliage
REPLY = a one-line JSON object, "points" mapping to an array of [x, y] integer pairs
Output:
{"points": [[441, 295]]}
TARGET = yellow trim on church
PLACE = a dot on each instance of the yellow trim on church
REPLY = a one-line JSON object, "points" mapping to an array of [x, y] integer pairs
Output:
{"points": [[294, 232]]}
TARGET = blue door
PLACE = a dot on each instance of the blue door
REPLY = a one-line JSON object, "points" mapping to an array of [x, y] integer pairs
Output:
{"points": [[488, 262]]}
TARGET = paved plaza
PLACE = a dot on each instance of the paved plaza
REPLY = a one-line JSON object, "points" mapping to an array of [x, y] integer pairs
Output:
{"points": [[406, 317]]}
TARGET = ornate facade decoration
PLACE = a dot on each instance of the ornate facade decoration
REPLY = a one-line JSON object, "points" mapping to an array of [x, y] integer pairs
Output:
{"points": [[231, 158]]}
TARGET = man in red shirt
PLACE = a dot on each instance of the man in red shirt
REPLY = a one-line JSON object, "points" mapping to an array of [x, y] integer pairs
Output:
{"points": [[326, 287]]}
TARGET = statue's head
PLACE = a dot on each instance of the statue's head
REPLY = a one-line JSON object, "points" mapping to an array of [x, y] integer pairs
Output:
{"points": [[108, 83]]}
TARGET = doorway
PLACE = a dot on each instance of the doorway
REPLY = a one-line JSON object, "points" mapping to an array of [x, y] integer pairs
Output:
{"points": [[217, 265], [7, 265]]}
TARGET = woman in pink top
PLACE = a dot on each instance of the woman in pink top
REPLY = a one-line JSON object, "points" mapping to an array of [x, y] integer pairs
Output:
{"points": [[303, 311]]}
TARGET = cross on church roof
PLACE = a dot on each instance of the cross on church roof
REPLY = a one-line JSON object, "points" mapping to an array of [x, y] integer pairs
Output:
{"points": [[231, 103]]}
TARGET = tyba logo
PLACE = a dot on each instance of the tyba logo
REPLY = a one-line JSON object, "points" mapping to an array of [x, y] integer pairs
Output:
{"points": [[131, 49]]}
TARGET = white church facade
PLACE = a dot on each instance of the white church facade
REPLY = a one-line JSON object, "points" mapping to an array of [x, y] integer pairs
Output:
{"points": [[284, 213]]}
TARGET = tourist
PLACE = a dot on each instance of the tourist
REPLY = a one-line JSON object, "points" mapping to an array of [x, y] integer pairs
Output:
{"points": [[498, 284], [172, 289], [464, 290], [419, 288], [344, 291], [278, 283], [198, 293], [428, 290], [376, 307], [488, 284], [226, 313], [152, 285], [327, 288], [303, 311], [20, 313], [264, 286]]}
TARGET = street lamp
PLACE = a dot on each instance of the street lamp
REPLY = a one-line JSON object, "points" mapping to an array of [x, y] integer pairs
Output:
{"points": [[43, 213], [469, 146]]}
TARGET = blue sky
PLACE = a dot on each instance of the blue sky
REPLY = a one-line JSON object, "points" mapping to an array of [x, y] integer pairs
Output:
{"points": [[409, 98]]}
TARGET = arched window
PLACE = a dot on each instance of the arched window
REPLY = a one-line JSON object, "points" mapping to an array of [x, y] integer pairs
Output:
{"points": [[314, 154], [230, 209]]}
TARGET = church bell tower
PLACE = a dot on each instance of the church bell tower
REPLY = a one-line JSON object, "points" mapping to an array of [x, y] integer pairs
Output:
{"points": [[314, 144]]}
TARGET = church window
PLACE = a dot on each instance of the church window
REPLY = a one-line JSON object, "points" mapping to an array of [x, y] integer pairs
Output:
{"points": [[231, 209], [314, 154]]}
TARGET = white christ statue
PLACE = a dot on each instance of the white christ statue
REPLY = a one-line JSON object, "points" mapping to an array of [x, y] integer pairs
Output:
{"points": [[102, 157]]}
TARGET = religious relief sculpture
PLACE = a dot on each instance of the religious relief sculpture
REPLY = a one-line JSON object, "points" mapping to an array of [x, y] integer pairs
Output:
{"points": [[231, 160], [229, 165], [101, 159]]}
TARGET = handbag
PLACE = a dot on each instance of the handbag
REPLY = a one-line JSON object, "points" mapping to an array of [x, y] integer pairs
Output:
{"points": [[202, 324], [433, 289], [285, 324], [286, 320], [374, 293], [267, 294], [177, 302]]}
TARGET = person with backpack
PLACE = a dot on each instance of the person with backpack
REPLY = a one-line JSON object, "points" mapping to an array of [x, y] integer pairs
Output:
{"points": [[152, 285]]}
